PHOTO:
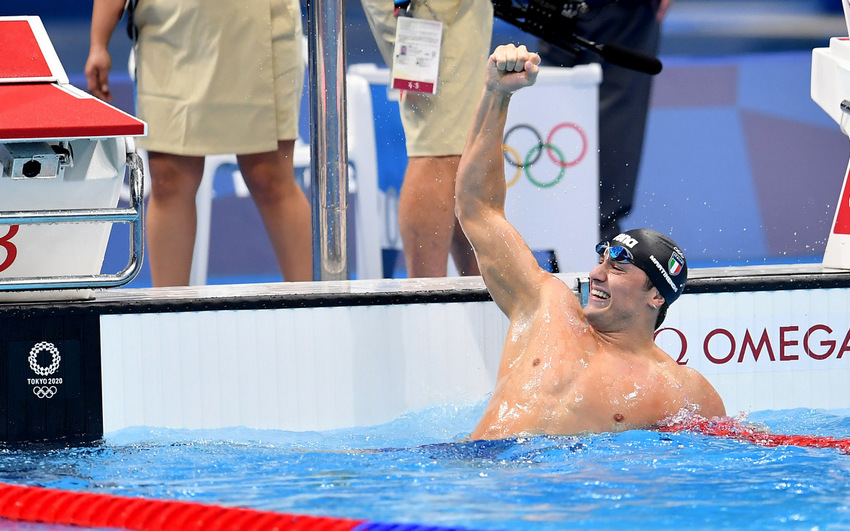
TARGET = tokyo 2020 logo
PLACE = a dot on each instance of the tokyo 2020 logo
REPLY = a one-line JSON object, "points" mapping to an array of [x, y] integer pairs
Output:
{"points": [[46, 386]]}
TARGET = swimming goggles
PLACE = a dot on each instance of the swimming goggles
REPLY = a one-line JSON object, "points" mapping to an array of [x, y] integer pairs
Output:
{"points": [[617, 253]]}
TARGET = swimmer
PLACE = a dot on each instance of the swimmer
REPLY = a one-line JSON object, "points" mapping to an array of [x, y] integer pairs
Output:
{"points": [[566, 369]]}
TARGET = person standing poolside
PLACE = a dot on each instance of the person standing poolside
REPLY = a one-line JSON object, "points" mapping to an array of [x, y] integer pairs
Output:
{"points": [[567, 369], [214, 77], [435, 129]]}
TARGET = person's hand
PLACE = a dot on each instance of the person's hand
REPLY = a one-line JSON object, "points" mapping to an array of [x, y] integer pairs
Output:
{"points": [[511, 68], [97, 73]]}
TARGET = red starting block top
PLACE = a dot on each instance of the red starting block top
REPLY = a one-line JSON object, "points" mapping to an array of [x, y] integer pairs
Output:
{"points": [[52, 111], [36, 101], [27, 54]]}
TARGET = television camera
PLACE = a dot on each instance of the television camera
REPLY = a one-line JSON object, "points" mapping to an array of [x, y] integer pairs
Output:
{"points": [[555, 22]]}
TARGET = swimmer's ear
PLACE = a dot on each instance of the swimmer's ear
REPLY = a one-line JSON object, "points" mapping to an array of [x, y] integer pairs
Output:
{"points": [[657, 300]]}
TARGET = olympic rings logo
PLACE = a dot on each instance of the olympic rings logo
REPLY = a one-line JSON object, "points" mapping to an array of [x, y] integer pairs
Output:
{"points": [[44, 391], [535, 152], [54, 361]]}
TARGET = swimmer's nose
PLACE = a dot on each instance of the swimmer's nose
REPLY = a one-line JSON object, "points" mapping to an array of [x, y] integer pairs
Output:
{"points": [[600, 272]]}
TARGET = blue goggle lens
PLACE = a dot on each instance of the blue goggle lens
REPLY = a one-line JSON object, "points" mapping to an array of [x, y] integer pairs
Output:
{"points": [[617, 253]]}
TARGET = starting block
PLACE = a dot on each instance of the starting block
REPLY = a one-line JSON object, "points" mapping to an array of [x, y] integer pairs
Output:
{"points": [[831, 91], [63, 158]]}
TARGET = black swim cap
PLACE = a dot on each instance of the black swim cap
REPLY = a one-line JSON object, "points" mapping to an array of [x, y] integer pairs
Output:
{"points": [[659, 257]]}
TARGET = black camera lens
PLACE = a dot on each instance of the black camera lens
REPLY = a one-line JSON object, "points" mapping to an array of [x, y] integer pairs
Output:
{"points": [[31, 168]]}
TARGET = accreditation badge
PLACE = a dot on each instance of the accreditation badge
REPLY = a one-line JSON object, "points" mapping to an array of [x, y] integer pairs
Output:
{"points": [[416, 58]]}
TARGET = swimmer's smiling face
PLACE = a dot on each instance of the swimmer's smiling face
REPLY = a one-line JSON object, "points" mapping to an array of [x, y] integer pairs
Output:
{"points": [[619, 291]]}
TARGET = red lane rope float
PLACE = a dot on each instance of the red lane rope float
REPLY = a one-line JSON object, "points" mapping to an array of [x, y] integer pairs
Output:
{"points": [[732, 429], [42, 505]]}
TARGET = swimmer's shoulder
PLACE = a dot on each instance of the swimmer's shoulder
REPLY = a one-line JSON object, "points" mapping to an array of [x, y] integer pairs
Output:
{"points": [[698, 390]]}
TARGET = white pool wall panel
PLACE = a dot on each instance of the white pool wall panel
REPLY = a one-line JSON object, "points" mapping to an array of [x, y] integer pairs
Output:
{"points": [[296, 369]]}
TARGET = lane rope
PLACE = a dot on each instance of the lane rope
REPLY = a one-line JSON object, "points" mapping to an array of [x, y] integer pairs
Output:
{"points": [[86, 509], [731, 428]]}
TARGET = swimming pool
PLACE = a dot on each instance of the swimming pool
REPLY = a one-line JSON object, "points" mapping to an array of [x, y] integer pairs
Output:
{"points": [[417, 469]]}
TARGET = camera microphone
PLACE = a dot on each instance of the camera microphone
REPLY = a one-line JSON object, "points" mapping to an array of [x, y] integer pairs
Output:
{"points": [[621, 56], [555, 21]]}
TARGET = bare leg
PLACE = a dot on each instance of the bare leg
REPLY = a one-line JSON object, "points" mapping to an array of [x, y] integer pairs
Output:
{"points": [[426, 214], [171, 217], [427, 221], [283, 207]]}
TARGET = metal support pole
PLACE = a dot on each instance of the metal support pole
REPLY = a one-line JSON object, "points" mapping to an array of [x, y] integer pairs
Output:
{"points": [[328, 146]]}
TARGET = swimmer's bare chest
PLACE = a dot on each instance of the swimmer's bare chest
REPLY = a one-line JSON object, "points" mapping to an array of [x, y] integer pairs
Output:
{"points": [[563, 386], [556, 378]]}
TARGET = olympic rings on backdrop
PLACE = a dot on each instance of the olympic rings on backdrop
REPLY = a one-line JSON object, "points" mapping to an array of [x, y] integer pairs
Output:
{"points": [[508, 149], [526, 165], [516, 163], [550, 148], [580, 132], [513, 158]]}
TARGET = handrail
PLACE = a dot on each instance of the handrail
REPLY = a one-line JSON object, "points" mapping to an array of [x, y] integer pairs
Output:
{"points": [[134, 215]]}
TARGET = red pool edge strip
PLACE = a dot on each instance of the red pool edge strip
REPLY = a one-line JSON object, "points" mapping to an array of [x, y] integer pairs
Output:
{"points": [[732, 429]]}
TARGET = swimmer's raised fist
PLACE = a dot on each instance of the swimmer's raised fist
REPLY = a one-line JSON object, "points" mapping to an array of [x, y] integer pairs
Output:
{"points": [[511, 68]]}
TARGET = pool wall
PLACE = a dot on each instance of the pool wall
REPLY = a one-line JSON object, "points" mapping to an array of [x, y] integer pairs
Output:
{"points": [[296, 368], [327, 355]]}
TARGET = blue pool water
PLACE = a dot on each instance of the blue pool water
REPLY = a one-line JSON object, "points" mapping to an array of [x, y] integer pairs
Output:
{"points": [[418, 469]]}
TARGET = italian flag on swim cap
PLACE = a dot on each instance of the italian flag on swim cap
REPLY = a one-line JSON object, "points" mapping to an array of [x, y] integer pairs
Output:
{"points": [[674, 265]]}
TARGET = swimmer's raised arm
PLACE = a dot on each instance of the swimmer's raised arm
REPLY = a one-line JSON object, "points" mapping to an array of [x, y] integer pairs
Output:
{"points": [[510, 270]]}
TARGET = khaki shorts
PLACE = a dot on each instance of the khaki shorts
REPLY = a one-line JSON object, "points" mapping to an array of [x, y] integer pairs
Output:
{"points": [[218, 76], [438, 124]]}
